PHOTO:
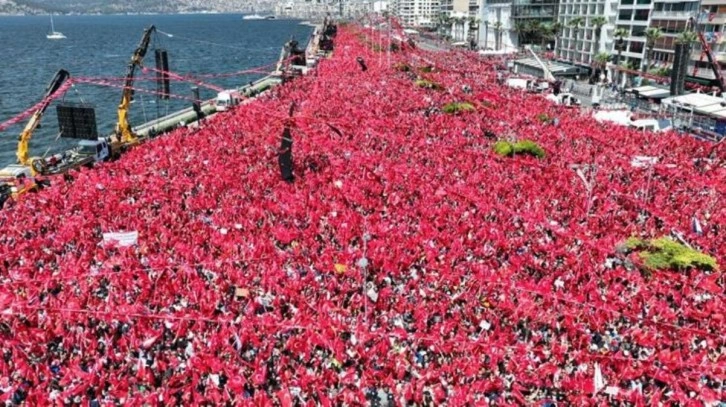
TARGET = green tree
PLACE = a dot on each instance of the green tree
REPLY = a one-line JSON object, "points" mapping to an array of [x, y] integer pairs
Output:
{"points": [[556, 29], [652, 35], [535, 29], [498, 30], [598, 23], [520, 27], [620, 34], [601, 62], [474, 28], [576, 24], [687, 37]]}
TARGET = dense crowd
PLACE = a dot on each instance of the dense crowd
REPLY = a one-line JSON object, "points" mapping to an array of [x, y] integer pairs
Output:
{"points": [[406, 264]]}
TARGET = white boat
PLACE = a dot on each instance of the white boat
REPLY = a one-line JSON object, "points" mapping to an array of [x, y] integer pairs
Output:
{"points": [[53, 34], [258, 17]]}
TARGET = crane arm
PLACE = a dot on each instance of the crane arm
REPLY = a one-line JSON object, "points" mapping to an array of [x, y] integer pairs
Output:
{"points": [[24, 140], [712, 61], [123, 129], [709, 53], [547, 74]]}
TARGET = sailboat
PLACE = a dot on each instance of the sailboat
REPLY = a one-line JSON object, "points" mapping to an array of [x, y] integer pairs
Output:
{"points": [[53, 34]]}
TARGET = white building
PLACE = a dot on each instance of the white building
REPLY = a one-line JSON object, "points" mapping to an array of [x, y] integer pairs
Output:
{"points": [[495, 27], [416, 13], [579, 45], [380, 6], [461, 13]]}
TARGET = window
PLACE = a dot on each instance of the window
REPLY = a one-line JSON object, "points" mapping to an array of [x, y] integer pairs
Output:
{"points": [[636, 47], [644, 1], [625, 15], [641, 15]]}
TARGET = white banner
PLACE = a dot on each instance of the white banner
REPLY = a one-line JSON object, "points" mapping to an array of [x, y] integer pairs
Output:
{"points": [[123, 239]]}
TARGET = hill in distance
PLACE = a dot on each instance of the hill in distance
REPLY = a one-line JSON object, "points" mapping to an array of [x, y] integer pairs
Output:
{"points": [[131, 6]]}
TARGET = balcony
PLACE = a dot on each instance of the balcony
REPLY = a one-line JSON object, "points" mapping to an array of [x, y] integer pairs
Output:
{"points": [[672, 15], [632, 22], [718, 19]]}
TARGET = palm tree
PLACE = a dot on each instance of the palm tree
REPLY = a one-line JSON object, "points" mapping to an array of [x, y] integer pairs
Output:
{"points": [[474, 29], [546, 34], [556, 29], [534, 30], [520, 28], [498, 29], [684, 43], [601, 61], [652, 35], [619, 35], [459, 21], [630, 66], [444, 23], [687, 37], [576, 23], [598, 22]]}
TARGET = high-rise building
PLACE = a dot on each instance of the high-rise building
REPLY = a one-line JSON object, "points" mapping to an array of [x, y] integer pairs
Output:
{"points": [[416, 13], [495, 27], [579, 45], [713, 23], [454, 19], [672, 18], [526, 11]]}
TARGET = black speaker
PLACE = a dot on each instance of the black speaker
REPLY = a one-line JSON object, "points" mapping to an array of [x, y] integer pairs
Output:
{"points": [[285, 157], [162, 76], [197, 103], [77, 120], [680, 68]]}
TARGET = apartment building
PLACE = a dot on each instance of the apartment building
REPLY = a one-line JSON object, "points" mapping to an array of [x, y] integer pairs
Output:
{"points": [[416, 13], [713, 23], [672, 17], [580, 45], [496, 31]]}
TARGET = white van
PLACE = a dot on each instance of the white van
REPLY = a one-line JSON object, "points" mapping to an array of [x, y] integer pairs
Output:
{"points": [[227, 99], [651, 125]]}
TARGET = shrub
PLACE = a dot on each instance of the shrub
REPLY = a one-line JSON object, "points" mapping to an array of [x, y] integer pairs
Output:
{"points": [[457, 107], [402, 67], [426, 69], [667, 254], [543, 118], [427, 84], [527, 147], [504, 148]]}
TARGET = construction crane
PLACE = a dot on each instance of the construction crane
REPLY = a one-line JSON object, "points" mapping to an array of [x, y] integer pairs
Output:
{"points": [[124, 134], [37, 164], [547, 74], [706, 49]]}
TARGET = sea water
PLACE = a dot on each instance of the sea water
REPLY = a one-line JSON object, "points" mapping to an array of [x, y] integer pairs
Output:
{"points": [[101, 46]]}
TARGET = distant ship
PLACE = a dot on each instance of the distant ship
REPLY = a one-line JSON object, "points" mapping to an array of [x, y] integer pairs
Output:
{"points": [[258, 17]]}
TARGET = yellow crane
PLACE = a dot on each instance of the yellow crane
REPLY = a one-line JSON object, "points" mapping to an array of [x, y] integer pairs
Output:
{"points": [[124, 134], [37, 164]]}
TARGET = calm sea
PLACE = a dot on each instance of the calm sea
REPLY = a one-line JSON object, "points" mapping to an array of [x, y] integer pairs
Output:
{"points": [[101, 46]]}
